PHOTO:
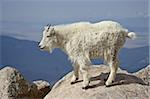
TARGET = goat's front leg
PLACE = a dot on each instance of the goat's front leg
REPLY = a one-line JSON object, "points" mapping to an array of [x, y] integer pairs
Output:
{"points": [[84, 69], [75, 76], [113, 67]]}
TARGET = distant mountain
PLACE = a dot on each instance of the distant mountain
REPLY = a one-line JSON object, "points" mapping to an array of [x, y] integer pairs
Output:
{"points": [[35, 64]]}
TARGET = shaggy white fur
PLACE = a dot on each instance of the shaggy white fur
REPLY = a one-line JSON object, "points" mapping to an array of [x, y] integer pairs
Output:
{"points": [[83, 41]]}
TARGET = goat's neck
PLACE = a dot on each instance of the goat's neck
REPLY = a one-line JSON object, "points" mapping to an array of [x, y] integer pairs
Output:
{"points": [[61, 42], [63, 35]]}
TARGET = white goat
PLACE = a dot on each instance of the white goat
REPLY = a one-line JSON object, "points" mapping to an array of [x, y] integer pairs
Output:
{"points": [[84, 41]]}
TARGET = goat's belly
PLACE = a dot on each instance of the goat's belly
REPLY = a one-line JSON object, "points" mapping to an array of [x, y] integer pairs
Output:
{"points": [[94, 54]]}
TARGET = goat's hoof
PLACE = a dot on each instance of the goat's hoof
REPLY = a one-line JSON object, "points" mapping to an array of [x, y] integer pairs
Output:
{"points": [[109, 84], [73, 82], [113, 81], [77, 79], [85, 88]]}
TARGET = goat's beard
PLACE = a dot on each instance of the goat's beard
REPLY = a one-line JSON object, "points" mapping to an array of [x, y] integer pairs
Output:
{"points": [[50, 49]]}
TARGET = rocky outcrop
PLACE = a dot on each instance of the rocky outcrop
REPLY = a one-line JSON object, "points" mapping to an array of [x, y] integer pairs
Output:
{"points": [[144, 74], [14, 86], [126, 86], [43, 88]]}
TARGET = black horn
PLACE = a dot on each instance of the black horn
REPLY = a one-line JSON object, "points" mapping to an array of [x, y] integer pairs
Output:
{"points": [[49, 25]]}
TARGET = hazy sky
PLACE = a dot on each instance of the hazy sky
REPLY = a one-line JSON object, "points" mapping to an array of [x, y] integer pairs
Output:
{"points": [[39, 11], [25, 18]]}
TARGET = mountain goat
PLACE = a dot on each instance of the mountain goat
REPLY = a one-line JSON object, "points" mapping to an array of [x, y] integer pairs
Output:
{"points": [[84, 41]]}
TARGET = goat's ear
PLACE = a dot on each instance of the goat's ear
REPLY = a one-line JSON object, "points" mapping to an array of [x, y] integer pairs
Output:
{"points": [[53, 29]]}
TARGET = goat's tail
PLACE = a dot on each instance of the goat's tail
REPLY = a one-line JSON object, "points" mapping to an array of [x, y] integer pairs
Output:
{"points": [[131, 35]]}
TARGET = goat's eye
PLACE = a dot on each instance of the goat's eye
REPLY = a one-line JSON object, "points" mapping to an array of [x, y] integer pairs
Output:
{"points": [[48, 36]]}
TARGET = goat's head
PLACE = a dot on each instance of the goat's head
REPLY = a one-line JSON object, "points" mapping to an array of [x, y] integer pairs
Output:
{"points": [[49, 39]]}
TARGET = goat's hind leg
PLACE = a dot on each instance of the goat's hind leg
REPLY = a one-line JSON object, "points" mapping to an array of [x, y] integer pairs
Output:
{"points": [[113, 67]]}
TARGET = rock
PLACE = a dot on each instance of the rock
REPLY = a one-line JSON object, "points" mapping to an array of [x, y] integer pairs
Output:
{"points": [[43, 88], [14, 86], [126, 86], [144, 74]]}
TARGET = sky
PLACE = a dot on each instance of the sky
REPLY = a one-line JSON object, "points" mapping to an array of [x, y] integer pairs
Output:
{"points": [[24, 19], [22, 10]]}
